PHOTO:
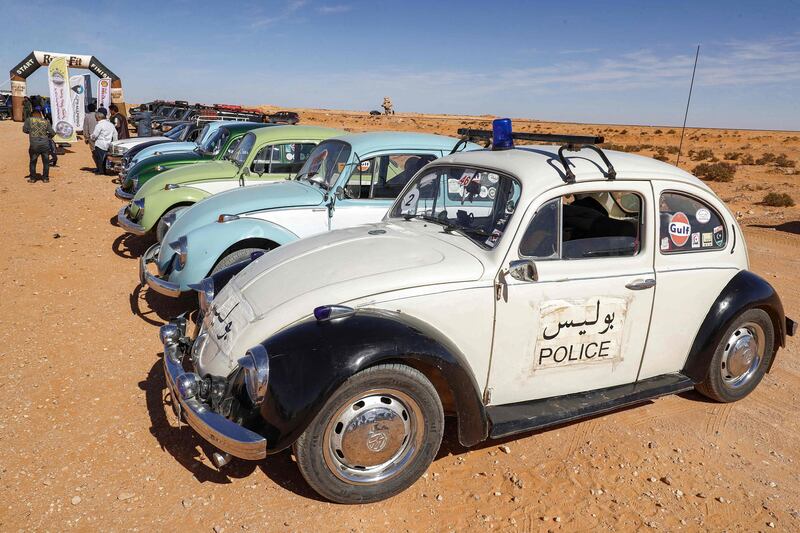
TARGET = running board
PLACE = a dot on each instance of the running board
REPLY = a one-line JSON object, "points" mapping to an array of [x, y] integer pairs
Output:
{"points": [[537, 414]]}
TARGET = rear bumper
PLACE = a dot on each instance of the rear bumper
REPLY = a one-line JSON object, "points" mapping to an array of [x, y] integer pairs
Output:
{"points": [[127, 224], [156, 283], [226, 435]]}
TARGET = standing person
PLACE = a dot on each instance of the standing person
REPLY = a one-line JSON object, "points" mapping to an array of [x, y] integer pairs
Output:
{"points": [[89, 122], [144, 124], [104, 134], [39, 134], [120, 122], [27, 108]]}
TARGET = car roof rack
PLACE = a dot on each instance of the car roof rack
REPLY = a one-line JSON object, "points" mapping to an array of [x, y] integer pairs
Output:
{"points": [[569, 143]]}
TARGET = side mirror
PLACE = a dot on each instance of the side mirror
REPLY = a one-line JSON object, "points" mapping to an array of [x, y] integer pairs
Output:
{"points": [[523, 270], [339, 193]]}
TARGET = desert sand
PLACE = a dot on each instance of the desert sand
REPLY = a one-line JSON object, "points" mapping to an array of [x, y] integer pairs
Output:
{"points": [[89, 445]]}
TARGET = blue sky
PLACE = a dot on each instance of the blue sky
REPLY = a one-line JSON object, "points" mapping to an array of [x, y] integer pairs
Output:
{"points": [[618, 62]]}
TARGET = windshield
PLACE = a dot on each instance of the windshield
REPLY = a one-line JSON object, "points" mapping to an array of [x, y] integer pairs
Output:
{"points": [[175, 133], [477, 203], [239, 155], [185, 114], [215, 142], [325, 164], [203, 133]]}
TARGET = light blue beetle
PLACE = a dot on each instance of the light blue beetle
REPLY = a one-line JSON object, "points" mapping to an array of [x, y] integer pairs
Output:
{"points": [[203, 139], [346, 181]]}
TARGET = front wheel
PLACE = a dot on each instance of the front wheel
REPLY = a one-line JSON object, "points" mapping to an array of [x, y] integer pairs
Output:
{"points": [[234, 257], [167, 220], [374, 437], [741, 358]]}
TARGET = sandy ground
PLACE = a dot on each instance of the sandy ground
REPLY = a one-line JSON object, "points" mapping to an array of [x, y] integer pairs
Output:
{"points": [[87, 443]]}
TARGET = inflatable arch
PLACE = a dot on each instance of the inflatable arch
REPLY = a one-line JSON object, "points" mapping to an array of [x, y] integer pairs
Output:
{"points": [[36, 59]]}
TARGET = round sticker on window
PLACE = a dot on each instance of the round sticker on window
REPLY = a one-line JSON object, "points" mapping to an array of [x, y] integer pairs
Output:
{"points": [[492, 193], [703, 215], [484, 191], [679, 229], [364, 166], [493, 178]]}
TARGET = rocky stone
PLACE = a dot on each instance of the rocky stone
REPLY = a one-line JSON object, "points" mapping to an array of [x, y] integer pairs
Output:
{"points": [[505, 449], [75, 500], [122, 496]]}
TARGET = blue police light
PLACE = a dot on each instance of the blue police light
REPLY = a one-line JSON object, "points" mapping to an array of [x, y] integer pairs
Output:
{"points": [[501, 134]]}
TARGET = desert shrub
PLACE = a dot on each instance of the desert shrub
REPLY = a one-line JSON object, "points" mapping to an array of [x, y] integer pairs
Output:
{"points": [[733, 156], [623, 132], [783, 161], [661, 157], [658, 132], [747, 159], [700, 155], [643, 133], [715, 171], [765, 159], [671, 132], [671, 149], [614, 146], [778, 199]]}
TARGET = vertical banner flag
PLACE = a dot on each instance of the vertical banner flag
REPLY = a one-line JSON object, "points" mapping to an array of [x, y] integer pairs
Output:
{"points": [[103, 93], [60, 103], [76, 92], [87, 88]]}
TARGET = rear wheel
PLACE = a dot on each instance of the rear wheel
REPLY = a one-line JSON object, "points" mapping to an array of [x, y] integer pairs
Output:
{"points": [[374, 437], [741, 359], [235, 257]]}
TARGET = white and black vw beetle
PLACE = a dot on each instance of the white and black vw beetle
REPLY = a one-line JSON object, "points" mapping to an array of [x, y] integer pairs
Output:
{"points": [[514, 288]]}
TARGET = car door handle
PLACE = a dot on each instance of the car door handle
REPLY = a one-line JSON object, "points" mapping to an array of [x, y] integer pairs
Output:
{"points": [[641, 284]]}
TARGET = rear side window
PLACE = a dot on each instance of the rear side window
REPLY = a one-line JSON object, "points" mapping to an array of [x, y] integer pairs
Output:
{"points": [[689, 225], [383, 177], [584, 226]]}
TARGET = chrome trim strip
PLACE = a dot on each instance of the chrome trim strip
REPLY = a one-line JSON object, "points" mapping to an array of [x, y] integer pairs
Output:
{"points": [[156, 283], [214, 428], [127, 224], [122, 194]]}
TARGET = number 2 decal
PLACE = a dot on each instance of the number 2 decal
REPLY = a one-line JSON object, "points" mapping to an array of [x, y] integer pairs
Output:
{"points": [[410, 199]]}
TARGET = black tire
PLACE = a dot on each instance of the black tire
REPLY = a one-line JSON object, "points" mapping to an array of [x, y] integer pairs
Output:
{"points": [[392, 385], [235, 257], [161, 227], [720, 385]]}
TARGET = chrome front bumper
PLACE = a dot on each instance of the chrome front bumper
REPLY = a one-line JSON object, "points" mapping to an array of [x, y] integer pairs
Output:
{"points": [[226, 435], [159, 285], [122, 194], [114, 163], [127, 224]]}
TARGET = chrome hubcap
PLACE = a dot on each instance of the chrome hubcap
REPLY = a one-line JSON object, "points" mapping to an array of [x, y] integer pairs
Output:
{"points": [[743, 354], [372, 436]]}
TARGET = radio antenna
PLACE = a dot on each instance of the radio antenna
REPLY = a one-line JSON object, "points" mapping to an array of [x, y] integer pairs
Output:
{"points": [[686, 114]]}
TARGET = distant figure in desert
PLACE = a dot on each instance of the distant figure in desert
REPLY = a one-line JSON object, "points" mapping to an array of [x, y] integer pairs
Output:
{"points": [[388, 108]]}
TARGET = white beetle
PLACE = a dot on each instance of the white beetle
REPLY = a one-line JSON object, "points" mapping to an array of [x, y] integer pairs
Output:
{"points": [[515, 288]]}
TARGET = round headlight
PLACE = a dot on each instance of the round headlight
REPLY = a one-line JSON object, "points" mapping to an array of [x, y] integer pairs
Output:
{"points": [[255, 365]]}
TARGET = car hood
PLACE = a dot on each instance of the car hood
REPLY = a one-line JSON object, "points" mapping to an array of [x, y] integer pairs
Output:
{"points": [[204, 170], [275, 195], [163, 159], [133, 141], [166, 148], [348, 264]]}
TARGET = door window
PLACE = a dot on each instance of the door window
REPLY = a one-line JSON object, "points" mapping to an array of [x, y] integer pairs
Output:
{"points": [[585, 225], [688, 225], [384, 176], [281, 158]]}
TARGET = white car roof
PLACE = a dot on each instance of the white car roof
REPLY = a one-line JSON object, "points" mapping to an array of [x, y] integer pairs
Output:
{"points": [[538, 166]]}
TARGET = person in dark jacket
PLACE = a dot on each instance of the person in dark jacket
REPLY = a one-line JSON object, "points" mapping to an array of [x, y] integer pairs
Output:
{"points": [[144, 124], [27, 108], [39, 133], [119, 121]]}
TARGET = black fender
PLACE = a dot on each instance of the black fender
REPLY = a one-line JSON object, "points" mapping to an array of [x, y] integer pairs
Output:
{"points": [[310, 360], [744, 291]]}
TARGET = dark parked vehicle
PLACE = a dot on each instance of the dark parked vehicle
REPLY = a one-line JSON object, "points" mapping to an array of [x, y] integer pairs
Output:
{"points": [[284, 117], [5, 106]]}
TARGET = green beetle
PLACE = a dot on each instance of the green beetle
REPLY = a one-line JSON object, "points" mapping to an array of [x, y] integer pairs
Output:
{"points": [[261, 155]]}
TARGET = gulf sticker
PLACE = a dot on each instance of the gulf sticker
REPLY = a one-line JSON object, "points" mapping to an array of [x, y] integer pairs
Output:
{"points": [[695, 240], [679, 229]]}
